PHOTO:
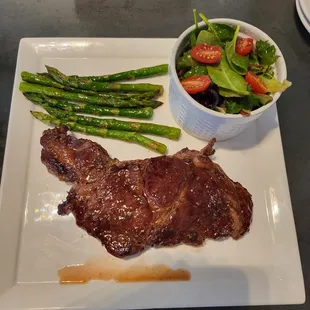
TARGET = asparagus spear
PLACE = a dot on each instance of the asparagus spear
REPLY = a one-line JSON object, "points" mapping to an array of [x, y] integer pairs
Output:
{"points": [[89, 109], [84, 83], [44, 74], [96, 100], [103, 132], [160, 130], [114, 95], [118, 95], [39, 79], [131, 74]]}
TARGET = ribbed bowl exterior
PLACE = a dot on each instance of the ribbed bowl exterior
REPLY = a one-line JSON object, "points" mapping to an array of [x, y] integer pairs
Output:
{"points": [[204, 125]]}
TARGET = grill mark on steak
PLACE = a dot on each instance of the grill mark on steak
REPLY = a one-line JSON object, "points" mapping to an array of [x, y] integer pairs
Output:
{"points": [[161, 201]]}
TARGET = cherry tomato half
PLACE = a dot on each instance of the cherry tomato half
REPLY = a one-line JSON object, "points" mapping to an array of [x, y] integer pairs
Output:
{"points": [[196, 84], [207, 54], [244, 46], [256, 83]]}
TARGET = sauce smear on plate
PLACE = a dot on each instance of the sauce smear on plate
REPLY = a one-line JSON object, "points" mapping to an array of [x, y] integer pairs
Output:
{"points": [[80, 274]]}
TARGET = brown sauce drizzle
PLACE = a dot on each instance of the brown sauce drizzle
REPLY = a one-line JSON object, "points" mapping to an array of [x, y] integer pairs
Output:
{"points": [[80, 274]]}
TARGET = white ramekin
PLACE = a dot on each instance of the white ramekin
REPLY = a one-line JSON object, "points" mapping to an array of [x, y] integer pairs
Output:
{"points": [[200, 121]]}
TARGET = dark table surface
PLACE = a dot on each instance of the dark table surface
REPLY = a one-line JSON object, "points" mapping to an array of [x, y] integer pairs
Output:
{"points": [[162, 18]]}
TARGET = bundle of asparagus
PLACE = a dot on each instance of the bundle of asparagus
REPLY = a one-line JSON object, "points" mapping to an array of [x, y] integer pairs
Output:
{"points": [[64, 96]]}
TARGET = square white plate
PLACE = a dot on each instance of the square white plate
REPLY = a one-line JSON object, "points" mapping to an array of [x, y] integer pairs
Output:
{"points": [[261, 268]]}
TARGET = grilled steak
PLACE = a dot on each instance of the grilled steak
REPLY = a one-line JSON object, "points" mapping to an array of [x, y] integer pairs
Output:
{"points": [[161, 201]]}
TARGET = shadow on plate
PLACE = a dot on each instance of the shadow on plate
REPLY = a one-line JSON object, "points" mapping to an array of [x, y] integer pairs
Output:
{"points": [[255, 133], [210, 286]]}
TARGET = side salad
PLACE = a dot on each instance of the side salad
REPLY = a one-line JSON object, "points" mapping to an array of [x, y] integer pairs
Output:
{"points": [[226, 72]]}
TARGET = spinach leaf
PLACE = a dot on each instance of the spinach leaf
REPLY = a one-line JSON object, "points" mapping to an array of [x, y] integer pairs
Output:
{"points": [[223, 76], [185, 62], [224, 32], [274, 85], [206, 37], [194, 33], [193, 38], [227, 93], [266, 53], [211, 28], [195, 19], [196, 70], [237, 62]]}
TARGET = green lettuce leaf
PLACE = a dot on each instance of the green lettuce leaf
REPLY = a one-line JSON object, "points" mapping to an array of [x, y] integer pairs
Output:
{"points": [[273, 85]]}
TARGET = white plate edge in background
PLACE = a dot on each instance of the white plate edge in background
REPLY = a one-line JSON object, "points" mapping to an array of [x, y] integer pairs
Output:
{"points": [[302, 17], [305, 7]]}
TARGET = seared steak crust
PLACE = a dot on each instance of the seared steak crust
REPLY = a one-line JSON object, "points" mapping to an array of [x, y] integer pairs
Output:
{"points": [[161, 201]]}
